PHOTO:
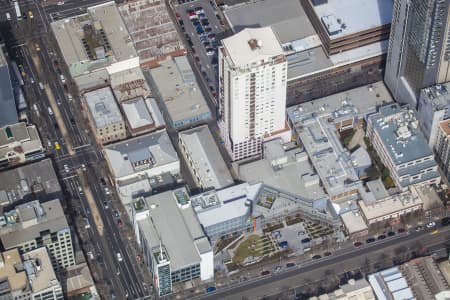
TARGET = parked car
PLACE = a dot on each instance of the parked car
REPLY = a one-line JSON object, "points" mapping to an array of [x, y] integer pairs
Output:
{"points": [[317, 256], [357, 244], [210, 51], [370, 240], [264, 273], [431, 224], [211, 289], [283, 244], [290, 265]]}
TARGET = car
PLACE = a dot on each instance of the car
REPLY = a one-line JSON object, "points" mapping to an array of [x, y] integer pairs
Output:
{"points": [[211, 289], [212, 36], [107, 191], [197, 58], [190, 11], [357, 244], [199, 10], [277, 269], [327, 254], [306, 240], [196, 23], [370, 240], [419, 228], [206, 44], [102, 181], [36, 46], [105, 204], [290, 265], [63, 79], [210, 51], [194, 20], [208, 29], [391, 233], [119, 257], [202, 16], [57, 146], [265, 273], [30, 14], [31, 80], [401, 230], [24, 15], [181, 22], [431, 224], [211, 88], [66, 168], [199, 30], [177, 15], [317, 256], [190, 43], [381, 237], [283, 244], [445, 221], [119, 223], [116, 214], [60, 3], [205, 22], [192, 15], [83, 167]]}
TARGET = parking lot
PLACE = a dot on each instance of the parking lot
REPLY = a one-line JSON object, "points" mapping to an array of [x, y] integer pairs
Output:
{"points": [[203, 28]]}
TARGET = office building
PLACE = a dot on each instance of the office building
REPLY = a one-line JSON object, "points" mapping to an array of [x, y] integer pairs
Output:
{"points": [[252, 96], [174, 82], [418, 54], [29, 277], [204, 159], [433, 107], [8, 111], [104, 116], [442, 147], [312, 72], [95, 45], [142, 115], [78, 282], [395, 136], [29, 182], [173, 245], [19, 143], [33, 225], [147, 155]]}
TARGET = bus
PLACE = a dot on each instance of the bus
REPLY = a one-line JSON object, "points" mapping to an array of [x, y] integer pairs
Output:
{"points": [[18, 12]]}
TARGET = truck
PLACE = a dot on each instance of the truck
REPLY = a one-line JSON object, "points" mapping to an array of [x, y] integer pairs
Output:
{"points": [[17, 8]]}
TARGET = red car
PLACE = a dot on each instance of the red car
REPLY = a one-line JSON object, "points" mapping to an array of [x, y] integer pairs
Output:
{"points": [[177, 14], [119, 223], [357, 244]]}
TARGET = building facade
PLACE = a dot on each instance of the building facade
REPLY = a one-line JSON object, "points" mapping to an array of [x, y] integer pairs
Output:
{"points": [[252, 91], [394, 134], [419, 53], [33, 225], [442, 147]]}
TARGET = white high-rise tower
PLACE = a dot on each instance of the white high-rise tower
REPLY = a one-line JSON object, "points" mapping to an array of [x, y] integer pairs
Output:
{"points": [[252, 94]]}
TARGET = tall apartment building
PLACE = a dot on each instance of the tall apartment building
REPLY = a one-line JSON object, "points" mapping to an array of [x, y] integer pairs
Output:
{"points": [[442, 147], [33, 225], [418, 53], [252, 81]]}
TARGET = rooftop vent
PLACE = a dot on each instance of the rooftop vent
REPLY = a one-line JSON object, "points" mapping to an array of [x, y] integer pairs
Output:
{"points": [[255, 44]]}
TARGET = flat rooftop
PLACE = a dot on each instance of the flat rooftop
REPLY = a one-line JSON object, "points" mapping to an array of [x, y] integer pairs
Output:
{"points": [[27, 221], [178, 88], [445, 126], [398, 130], [103, 107], [252, 45], [8, 111], [294, 175], [215, 207], [177, 227], [77, 277], [26, 135], [29, 182], [287, 18], [137, 113], [206, 157], [389, 205], [353, 221], [39, 270], [437, 95], [129, 84], [344, 17], [151, 29], [140, 153], [17, 279]]}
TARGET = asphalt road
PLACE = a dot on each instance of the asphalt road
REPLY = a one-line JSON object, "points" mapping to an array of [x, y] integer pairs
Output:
{"points": [[44, 65], [308, 271]]}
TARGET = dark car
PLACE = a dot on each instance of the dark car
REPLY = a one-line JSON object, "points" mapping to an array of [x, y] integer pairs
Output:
{"points": [[210, 289], [317, 256], [205, 22], [391, 233], [357, 244], [199, 30], [370, 240], [445, 221], [196, 23], [208, 29], [181, 22], [327, 254], [306, 240], [103, 181], [264, 273], [290, 265], [401, 230], [119, 223], [381, 237], [283, 244], [189, 11], [206, 44]]}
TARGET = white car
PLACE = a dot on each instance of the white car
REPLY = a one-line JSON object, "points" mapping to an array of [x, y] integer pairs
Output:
{"points": [[60, 3], [66, 168], [431, 224], [119, 257]]}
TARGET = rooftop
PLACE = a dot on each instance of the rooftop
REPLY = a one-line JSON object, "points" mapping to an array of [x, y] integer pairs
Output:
{"points": [[287, 18], [205, 155], [103, 107], [151, 28], [288, 170], [178, 88], [28, 182], [176, 226], [252, 45], [20, 138], [76, 278], [445, 126], [140, 153], [39, 270], [129, 84], [215, 207], [390, 284], [28, 221], [398, 130], [437, 95], [137, 113], [9, 262], [8, 112], [94, 40], [391, 204], [345, 17], [353, 221]]}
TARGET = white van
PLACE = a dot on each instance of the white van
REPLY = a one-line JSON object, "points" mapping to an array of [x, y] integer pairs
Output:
{"points": [[8, 16], [50, 111], [119, 256], [63, 79], [41, 85]]}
